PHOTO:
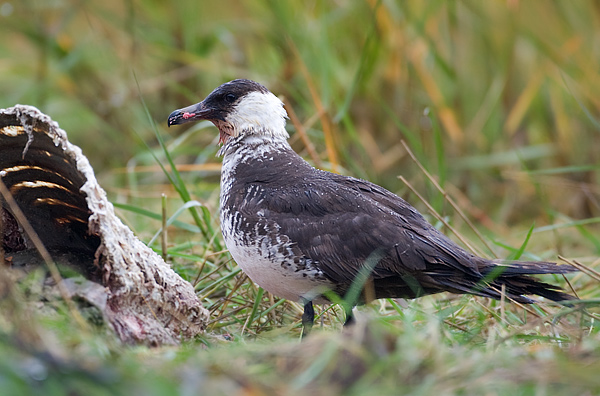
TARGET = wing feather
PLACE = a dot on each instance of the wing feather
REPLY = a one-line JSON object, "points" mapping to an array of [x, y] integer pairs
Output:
{"points": [[340, 221]]}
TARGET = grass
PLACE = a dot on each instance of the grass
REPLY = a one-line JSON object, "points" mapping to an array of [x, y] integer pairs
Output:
{"points": [[497, 100]]}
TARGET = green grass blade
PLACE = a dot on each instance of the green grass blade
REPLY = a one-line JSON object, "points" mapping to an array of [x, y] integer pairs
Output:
{"points": [[156, 216], [517, 255]]}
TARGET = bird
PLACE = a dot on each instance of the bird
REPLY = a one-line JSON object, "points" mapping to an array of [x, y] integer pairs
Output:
{"points": [[303, 233]]}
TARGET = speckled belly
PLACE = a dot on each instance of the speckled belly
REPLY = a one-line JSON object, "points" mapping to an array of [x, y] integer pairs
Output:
{"points": [[268, 259]]}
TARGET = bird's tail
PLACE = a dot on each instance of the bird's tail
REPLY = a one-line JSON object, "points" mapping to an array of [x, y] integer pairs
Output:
{"points": [[514, 275]]}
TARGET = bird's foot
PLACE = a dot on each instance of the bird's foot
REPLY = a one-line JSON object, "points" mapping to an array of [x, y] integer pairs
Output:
{"points": [[308, 318]]}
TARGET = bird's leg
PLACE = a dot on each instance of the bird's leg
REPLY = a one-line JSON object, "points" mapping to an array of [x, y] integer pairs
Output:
{"points": [[349, 318], [308, 317]]}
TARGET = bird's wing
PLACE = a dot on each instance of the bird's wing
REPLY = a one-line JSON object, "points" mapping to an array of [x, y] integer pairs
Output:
{"points": [[342, 222]]}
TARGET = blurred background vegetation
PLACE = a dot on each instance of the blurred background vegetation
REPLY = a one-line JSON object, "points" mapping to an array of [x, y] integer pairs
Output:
{"points": [[497, 99]]}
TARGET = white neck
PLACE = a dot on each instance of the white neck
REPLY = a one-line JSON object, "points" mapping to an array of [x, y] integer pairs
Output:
{"points": [[258, 113], [254, 144]]}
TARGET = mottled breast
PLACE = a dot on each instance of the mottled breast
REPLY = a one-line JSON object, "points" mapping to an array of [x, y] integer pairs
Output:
{"points": [[253, 234]]}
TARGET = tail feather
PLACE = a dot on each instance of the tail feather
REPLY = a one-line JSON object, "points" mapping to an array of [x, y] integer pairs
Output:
{"points": [[528, 267], [514, 275]]}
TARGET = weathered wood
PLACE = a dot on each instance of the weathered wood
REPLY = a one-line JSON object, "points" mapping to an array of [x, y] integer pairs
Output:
{"points": [[142, 299]]}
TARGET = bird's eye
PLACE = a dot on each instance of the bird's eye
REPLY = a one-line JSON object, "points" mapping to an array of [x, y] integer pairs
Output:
{"points": [[230, 98]]}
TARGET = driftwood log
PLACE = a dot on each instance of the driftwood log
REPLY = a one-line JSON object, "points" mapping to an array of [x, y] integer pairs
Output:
{"points": [[54, 209]]}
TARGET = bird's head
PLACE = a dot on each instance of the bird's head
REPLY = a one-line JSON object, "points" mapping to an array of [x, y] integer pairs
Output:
{"points": [[238, 108]]}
